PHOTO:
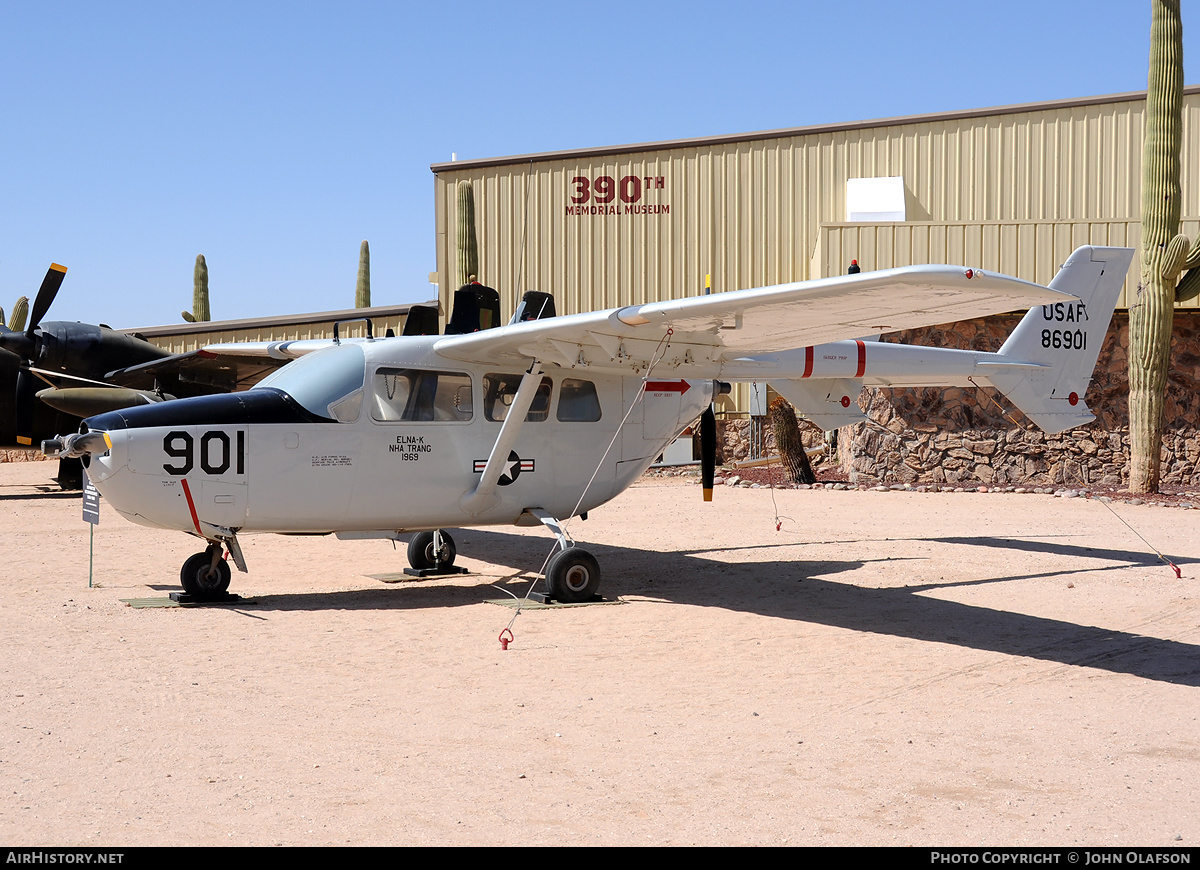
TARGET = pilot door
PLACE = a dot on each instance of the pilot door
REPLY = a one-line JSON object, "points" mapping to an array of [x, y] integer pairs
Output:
{"points": [[418, 449]]}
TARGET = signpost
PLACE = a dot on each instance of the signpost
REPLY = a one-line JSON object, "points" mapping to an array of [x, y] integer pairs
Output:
{"points": [[91, 514]]}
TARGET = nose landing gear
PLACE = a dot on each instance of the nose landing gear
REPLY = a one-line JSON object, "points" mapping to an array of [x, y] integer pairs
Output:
{"points": [[205, 576]]}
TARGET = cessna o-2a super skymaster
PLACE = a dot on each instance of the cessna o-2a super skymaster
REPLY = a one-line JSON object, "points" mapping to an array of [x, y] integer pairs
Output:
{"points": [[545, 419]]}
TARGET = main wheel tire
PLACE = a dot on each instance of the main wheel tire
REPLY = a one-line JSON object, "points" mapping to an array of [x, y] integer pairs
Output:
{"points": [[574, 576], [201, 580], [424, 557]]}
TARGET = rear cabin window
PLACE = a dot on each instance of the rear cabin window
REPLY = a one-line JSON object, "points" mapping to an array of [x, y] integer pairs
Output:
{"points": [[499, 390], [578, 402], [421, 396]]}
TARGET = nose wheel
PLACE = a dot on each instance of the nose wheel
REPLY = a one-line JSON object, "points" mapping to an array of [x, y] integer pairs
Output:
{"points": [[205, 576]]}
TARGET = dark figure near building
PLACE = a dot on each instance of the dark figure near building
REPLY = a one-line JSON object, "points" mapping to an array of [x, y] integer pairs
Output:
{"points": [[853, 270]]}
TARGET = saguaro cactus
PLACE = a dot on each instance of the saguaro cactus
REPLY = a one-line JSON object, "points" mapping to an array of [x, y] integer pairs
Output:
{"points": [[1164, 250], [199, 312], [468, 249], [20, 313], [362, 290]]}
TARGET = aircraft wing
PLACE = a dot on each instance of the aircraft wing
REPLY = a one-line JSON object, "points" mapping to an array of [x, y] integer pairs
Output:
{"points": [[708, 331], [224, 372]]}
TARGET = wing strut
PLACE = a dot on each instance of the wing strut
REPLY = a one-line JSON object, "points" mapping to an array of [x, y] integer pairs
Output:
{"points": [[483, 496]]}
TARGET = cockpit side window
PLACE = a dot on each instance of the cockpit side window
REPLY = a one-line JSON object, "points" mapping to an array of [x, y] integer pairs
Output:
{"points": [[499, 390], [421, 396], [578, 402]]}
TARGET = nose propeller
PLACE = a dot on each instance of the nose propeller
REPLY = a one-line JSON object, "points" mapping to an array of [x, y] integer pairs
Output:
{"points": [[77, 445]]}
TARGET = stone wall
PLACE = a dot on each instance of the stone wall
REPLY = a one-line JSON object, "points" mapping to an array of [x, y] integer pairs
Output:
{"points": [[734, 439], [962, 435], [21, 456]]}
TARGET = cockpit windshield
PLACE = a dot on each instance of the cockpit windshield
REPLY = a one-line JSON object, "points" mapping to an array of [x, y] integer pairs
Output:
{"points": [[328, 383]]}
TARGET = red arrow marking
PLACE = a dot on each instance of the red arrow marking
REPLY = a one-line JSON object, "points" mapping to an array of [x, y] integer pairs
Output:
{"points": [[680, 387]]}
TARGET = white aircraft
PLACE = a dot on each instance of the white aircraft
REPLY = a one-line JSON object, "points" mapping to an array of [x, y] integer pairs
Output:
{"points": [[545, 419]]}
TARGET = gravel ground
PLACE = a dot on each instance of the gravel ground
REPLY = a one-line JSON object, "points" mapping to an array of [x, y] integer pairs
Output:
{"points": [[806, 667]]}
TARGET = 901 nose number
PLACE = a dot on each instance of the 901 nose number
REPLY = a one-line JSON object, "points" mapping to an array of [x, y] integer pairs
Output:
{"points": [[217, 454]]}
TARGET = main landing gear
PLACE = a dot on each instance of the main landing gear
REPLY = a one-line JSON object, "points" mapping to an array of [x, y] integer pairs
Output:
{"points": [[431, 554], [572, 574]]}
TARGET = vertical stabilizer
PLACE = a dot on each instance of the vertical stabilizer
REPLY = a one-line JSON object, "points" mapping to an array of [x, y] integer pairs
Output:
{"points": [[1053, 350]]}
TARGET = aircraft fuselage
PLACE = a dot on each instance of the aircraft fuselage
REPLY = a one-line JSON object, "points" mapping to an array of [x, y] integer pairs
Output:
{"points": [[399, 446]]}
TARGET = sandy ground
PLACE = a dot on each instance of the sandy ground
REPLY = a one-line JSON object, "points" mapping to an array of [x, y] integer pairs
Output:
{"points": [[889, 668]]}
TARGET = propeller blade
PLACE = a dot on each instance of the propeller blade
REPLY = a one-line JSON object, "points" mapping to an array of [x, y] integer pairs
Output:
{"points": [[45, 296], [27, 388], [708, 450]]}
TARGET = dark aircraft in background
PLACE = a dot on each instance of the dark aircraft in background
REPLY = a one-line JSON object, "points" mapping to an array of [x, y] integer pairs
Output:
{"points": [[56, 372]]}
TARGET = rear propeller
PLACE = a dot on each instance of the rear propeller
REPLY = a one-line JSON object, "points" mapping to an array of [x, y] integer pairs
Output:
{"points": [[708, 440], [23, 346], [708, 450]]}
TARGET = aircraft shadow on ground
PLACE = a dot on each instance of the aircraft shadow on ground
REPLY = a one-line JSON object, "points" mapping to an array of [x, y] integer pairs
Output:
{"points": [[55, 493], [800, 590]]}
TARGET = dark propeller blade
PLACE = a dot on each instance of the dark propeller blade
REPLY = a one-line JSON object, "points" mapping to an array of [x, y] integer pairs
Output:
{"points": [[27, 388], [45, 296], [708, 450]]}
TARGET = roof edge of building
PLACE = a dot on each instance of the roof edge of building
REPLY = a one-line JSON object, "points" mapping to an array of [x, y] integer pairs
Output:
{"points": [[266, 322], [701, 141]]}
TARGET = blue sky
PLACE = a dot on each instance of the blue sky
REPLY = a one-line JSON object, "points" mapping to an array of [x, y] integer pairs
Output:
{"points": [[274, 138]]}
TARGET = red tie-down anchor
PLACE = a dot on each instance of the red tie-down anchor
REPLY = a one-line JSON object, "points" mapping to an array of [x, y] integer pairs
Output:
{"points": [[505, 641]]}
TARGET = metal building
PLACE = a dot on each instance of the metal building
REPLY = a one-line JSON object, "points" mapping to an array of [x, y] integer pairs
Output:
{"points": [[1013, 188]]}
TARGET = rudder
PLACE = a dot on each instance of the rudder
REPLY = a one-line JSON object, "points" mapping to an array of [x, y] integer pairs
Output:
{"points": [[1053, 351]]}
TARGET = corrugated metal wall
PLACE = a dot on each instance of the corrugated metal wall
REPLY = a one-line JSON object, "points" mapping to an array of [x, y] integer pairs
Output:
{"points": [[1030, 250], [188, 337], [755, 212]]}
